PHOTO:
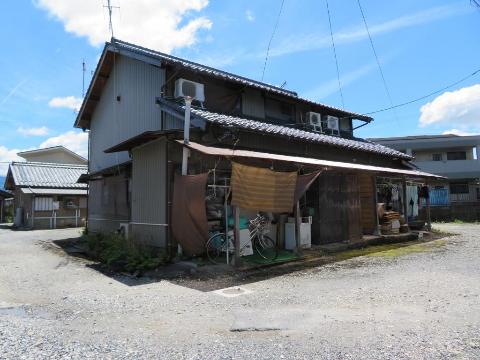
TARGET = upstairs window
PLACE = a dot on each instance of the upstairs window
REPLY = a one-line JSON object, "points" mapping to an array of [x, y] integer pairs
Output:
{"points": [[459, 188], [437, 157], [456, 155]]}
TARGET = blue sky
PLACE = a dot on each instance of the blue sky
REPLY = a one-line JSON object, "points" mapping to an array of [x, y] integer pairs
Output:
{"points": [[422, 46]]}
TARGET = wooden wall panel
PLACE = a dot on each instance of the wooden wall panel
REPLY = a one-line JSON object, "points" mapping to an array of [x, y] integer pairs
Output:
{"points": [[353, 208], [367, 203], [338, 213]]}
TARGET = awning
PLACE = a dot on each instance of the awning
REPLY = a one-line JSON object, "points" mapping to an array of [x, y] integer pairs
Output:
{"points": [[216, 151], [54, 191], [110, 171], [140, 140]]}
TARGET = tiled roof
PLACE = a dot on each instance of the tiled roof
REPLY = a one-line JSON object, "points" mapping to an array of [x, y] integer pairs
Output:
{"points": [[279, 130], [173, 60], [47, 175]]}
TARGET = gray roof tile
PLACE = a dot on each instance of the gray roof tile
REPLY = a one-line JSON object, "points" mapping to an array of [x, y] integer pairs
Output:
{"points": [[169, 59], [279, 130], [47, 175]]}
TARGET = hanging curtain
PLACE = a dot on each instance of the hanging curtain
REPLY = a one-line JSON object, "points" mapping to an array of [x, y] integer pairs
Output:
{"points": [[303, 183], [189, 217], [262, 189]]}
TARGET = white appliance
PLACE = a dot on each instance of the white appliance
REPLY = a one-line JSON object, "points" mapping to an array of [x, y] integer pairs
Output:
{"points": [[184, 88], [331, 125], [305, 234], [314, 119], [246, 247]]}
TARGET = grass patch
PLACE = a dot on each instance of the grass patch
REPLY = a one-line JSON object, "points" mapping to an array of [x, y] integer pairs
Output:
{"points": [[412, 249], [458, 221], [390, 250], [121, 254]]}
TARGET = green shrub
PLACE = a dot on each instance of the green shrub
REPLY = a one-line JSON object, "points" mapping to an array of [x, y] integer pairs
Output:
{"points": [[123, 254], [458, 221]]}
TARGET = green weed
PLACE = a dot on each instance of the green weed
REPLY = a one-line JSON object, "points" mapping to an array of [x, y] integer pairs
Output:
{"points": [[123, 254]]}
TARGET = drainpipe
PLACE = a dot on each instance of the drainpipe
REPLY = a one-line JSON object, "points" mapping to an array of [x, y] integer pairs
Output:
{"points": [[186, 141], [186, 135]]}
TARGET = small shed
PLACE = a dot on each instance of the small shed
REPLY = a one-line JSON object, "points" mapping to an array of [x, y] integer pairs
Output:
{"points": [[47, 195]]}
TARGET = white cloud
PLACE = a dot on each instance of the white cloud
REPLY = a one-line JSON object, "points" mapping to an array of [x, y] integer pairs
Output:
{"points": [[7, 156], [297, 43], [72, 140], [69, 102], [461, 107], [249, 16], [160, 24], [459, 132], [40, 131]]}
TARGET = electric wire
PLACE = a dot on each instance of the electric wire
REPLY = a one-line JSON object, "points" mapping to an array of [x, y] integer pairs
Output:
{"points": [[271, 38], [376, 57], [423, 97], [335, 55]]}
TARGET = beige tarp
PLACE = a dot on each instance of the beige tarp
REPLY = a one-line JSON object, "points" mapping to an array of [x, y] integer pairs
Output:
{"points": [[262, 189]]}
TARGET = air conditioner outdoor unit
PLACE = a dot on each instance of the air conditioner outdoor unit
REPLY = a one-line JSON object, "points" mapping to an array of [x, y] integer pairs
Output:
{"points": [[331, 125], [189, 88], [314, 119], [124, 229]]}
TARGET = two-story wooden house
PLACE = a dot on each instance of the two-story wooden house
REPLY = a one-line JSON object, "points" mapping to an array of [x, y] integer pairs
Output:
{"points": [[134, 111]]}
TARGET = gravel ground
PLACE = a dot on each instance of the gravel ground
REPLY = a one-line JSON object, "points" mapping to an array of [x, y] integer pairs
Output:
{"points": [[424, 304]]}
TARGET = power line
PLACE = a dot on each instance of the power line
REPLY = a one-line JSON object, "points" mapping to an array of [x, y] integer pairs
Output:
{"points": [[376, 56], [425, 96], [335, 55], [271, 38]]}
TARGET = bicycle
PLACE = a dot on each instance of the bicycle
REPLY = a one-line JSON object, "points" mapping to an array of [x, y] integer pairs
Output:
{"points": [[263, 244]]}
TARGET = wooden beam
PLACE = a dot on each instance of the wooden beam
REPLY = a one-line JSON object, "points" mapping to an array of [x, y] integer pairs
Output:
{"points": [[236, 234], [298, 221], [377, 230]]}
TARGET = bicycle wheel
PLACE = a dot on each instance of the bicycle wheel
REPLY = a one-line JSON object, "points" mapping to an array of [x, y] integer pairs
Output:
{"points": [[217, 248], [266, 247]]}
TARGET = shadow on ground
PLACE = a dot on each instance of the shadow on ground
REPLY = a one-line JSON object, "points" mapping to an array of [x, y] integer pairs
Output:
{"points": [[200, 275]]}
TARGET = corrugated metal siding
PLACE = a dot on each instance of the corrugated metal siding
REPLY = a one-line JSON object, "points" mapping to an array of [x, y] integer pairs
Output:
{"points": [[108, 204], [171, 122], [137, 84], [253, 104], [149, 193]]}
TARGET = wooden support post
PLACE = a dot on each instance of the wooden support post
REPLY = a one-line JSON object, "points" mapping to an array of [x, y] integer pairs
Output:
{"points": [[298, 221], [405, 200], [33, 211], [427, 210], [377, 230], [236, 234]]}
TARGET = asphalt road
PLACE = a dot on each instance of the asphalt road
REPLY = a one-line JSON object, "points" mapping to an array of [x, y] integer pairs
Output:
{"points": [[418, 304]]}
